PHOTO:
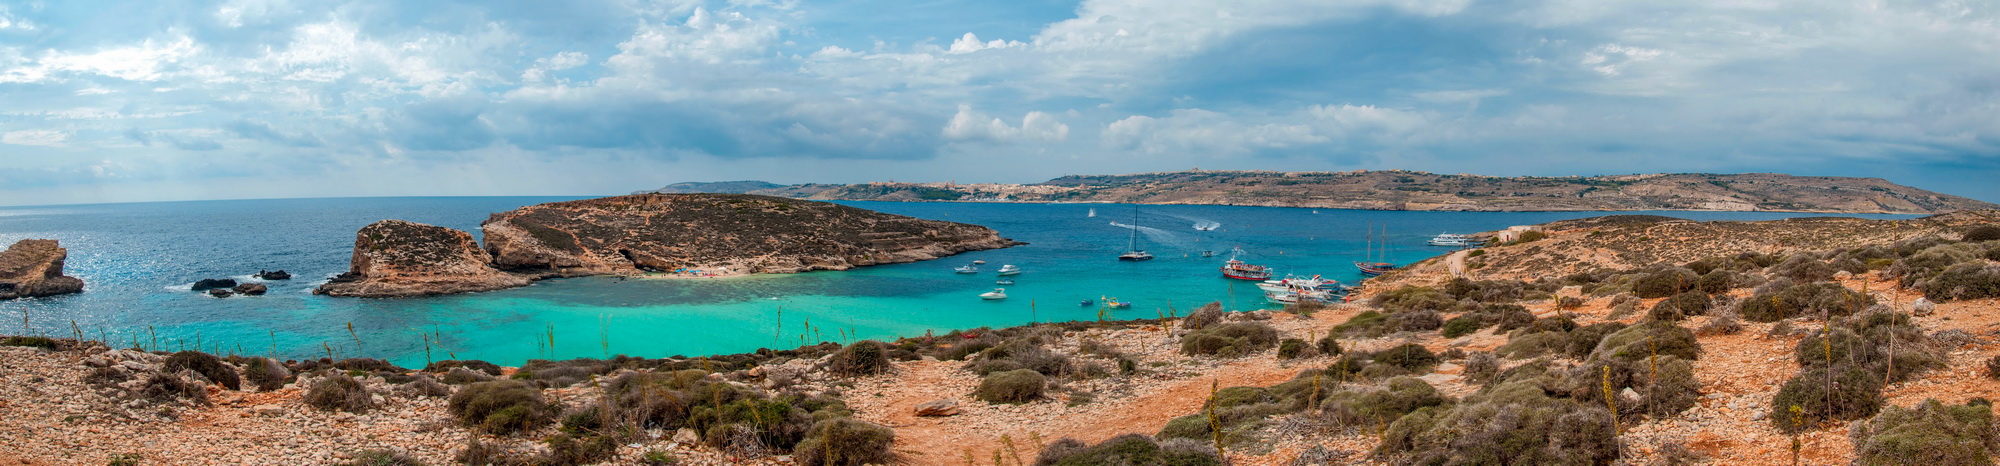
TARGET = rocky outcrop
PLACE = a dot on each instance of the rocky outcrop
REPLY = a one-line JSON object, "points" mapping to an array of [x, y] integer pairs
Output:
{"points": [[273, 275], [34, 267], [251, 289], [212, 283], [737, 232], [395, 258]]}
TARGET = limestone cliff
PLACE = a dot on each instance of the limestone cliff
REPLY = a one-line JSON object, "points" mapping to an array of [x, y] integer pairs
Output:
{"points": [[34, 267], [395, 258], [744, 233]]}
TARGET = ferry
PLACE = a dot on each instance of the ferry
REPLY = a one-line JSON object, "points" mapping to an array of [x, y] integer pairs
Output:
{"points": [[1244, 271], [1453, 240]]}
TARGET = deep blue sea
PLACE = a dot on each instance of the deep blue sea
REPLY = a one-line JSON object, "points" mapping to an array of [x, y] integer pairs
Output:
{"points": [[138, 259]]}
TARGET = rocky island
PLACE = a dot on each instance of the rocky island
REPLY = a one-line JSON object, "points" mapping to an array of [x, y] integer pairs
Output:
{"points": [[34, 267], [1413, 190], [737, 233]]}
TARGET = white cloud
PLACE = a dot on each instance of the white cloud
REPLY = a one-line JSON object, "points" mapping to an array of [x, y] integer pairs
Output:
{"points": [[968, 125], [35, 137], [148, 61], [561, 61], [970, 43]]}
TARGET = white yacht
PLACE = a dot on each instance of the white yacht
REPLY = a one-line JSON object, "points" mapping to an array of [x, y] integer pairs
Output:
{"points": [[997, 293], [1009, 269]]}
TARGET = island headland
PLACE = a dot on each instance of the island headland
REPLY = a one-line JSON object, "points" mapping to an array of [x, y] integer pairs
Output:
{"points": [[34, 267], [628, 235]]}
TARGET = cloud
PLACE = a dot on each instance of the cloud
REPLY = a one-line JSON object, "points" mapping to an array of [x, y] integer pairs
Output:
{"points": [[147, 61], [258, 131], [35, 137], [968, 125]]}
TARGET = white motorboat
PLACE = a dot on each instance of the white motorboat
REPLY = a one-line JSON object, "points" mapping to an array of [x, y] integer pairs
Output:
{"points": [[967, 269], [1009, 269], [1453, 240], [997, 293], [1003, 281]]}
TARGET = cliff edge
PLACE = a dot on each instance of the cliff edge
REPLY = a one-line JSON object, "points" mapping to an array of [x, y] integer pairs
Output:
{"points": [[395, 258], [34, 267]]}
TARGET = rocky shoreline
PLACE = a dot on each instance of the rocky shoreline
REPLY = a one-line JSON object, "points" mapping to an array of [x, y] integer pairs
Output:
{"points": [[637, 234], [34, 267]]}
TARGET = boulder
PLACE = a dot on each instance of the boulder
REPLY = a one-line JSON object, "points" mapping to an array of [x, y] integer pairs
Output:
{"points": [[220, 292], [251, 289], [1923, 307], [395, 258], [34, 267], [213, 283], [273, 275], [945, 407]]}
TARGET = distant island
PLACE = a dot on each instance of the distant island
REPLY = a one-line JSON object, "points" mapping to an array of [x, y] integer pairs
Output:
{"points": [[1409, 190], [690, 235]]}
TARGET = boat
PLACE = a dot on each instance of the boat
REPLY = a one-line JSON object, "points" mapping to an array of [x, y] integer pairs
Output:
{"points": [[1093, 213], [967, 269], [1297, 283], [1132, 252], [1009, 269], [1114, 303], [1453, 240], [996, 294], [1296, 296], [1208, 254], [1207, 226], [1087, 303], [979, 262], [1003, 281], [1374, 267], [1240, 270]]}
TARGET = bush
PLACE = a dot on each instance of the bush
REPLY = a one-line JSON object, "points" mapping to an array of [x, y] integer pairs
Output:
{"points": [[1993, 368], [1401, 396], [1408, 356], [1294, 348], [1012, 387], [567, 449], [1583, 340], [265, 374], [32, 342], [1569, 302], [1365, 324], [1462, 326], [1973, 280], [1664, 283], [863, 357], [1128, 449], [424, 386], [1981, 234], [1716, 282], [1481, 367], [1524, 345], [383, 458], [1513, 422], [1779, 302], [462, 376], [1207, 315], [1415, 298], [1681, 306], [500, 407], [1932, 260], [1328, 345], [1852, 393], [1930, 433], [207, 365], [1229, 340], [338, 392], [1647, 339], [845, 442], [1725, 323], [1803, 268], [472, 365], [1417, 321], [1507, 317], [168, 388]]}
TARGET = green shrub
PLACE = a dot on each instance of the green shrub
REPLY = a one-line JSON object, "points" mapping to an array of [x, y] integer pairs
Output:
{"points": [[473, 365], [1507, 317], [424, 386], [1930, 433], [1417, 321], [1401, 395], [1229, 340], [1462, 326], [1842, 392], [207, 365], [1293, 348], [462, 376], [1209, 314], [1982, 233], [168, 388], [1664, 283], [845, 442], [1513, 422], [500, 407], [1584, 340], [1524, 345], [1680, 306], [1484, 290], [1923, 265], [383, 458], [1128, 449], [338, 392], [1716, 282], [863, 357], [32, 342], [1803, 268], [1973, 280], [1993, 368], [1647, 339], [1365, 324], [1013, 387], [568, 449], [1328, 345], [1414, 298], [1408, 356], [265, 374], [1813, 300], [1481, 367], [367, 365]]}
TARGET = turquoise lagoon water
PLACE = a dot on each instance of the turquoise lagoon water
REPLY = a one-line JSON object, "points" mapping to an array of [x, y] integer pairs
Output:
{"points": [[138, 260]]}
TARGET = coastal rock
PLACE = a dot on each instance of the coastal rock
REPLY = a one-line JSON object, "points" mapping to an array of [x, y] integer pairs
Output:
{"points": [[946, 407], [34, 267], [726, 233], [251, 289], [213, 283], [221, 292], [396, 258], [274, 275]]}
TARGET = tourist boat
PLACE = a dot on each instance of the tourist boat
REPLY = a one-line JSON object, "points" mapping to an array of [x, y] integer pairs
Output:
{"points": [[1009, 269], [1003, 281], [997, 293], [967, 269], [1207, 226], [1132, 252], [1374, 267], [1243, 271], [1296, 283], [979, 262], [1114, 303], [1296, 296], [1093, 213], [1453, 240]]}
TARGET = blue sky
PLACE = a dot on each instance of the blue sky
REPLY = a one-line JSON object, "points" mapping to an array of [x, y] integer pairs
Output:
{"points": [[169, 100]]}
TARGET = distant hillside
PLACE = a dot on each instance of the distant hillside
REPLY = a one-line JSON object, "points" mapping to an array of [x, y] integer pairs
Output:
{"points": [[1410, 190], [719, 187]]}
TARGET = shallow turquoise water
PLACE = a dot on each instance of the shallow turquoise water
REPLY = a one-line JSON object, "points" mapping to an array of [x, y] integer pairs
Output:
{"points": [[138, 259]]}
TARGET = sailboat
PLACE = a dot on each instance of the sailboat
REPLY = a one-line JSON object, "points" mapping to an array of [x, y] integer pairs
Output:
{"points": [[1375, 267], [1093, 213], [1132, 251]]}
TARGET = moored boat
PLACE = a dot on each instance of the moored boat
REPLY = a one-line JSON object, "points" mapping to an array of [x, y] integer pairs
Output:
{"points": [[1453, 240], [996, 294], [966, 269], [1009, 269], [1132, 251], [1240, 270]]}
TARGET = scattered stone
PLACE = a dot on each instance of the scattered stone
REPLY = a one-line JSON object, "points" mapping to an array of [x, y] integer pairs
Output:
{"points": [[220, 293], [945, 407], [251, 289], [274, 275], [213, 283], [686, 436]]}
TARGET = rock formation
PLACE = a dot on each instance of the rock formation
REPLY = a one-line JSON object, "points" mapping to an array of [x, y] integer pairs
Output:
{"points": [[251, 289], [742, 233], [395, 258], [274, 275], [212, 283], [639, 233], [34, 267]]}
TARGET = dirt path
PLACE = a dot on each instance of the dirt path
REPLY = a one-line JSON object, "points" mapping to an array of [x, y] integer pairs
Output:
{"points": [[1456, 261]]}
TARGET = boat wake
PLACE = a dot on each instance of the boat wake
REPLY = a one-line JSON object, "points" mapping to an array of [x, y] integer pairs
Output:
{"points": [[1157, 236]]}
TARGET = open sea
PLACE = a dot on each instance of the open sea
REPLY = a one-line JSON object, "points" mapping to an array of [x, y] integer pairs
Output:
{"points": [[137, 261]]}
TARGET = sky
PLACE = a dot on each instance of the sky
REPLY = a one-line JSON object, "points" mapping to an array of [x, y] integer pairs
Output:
{"points": [[104, 101]]}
